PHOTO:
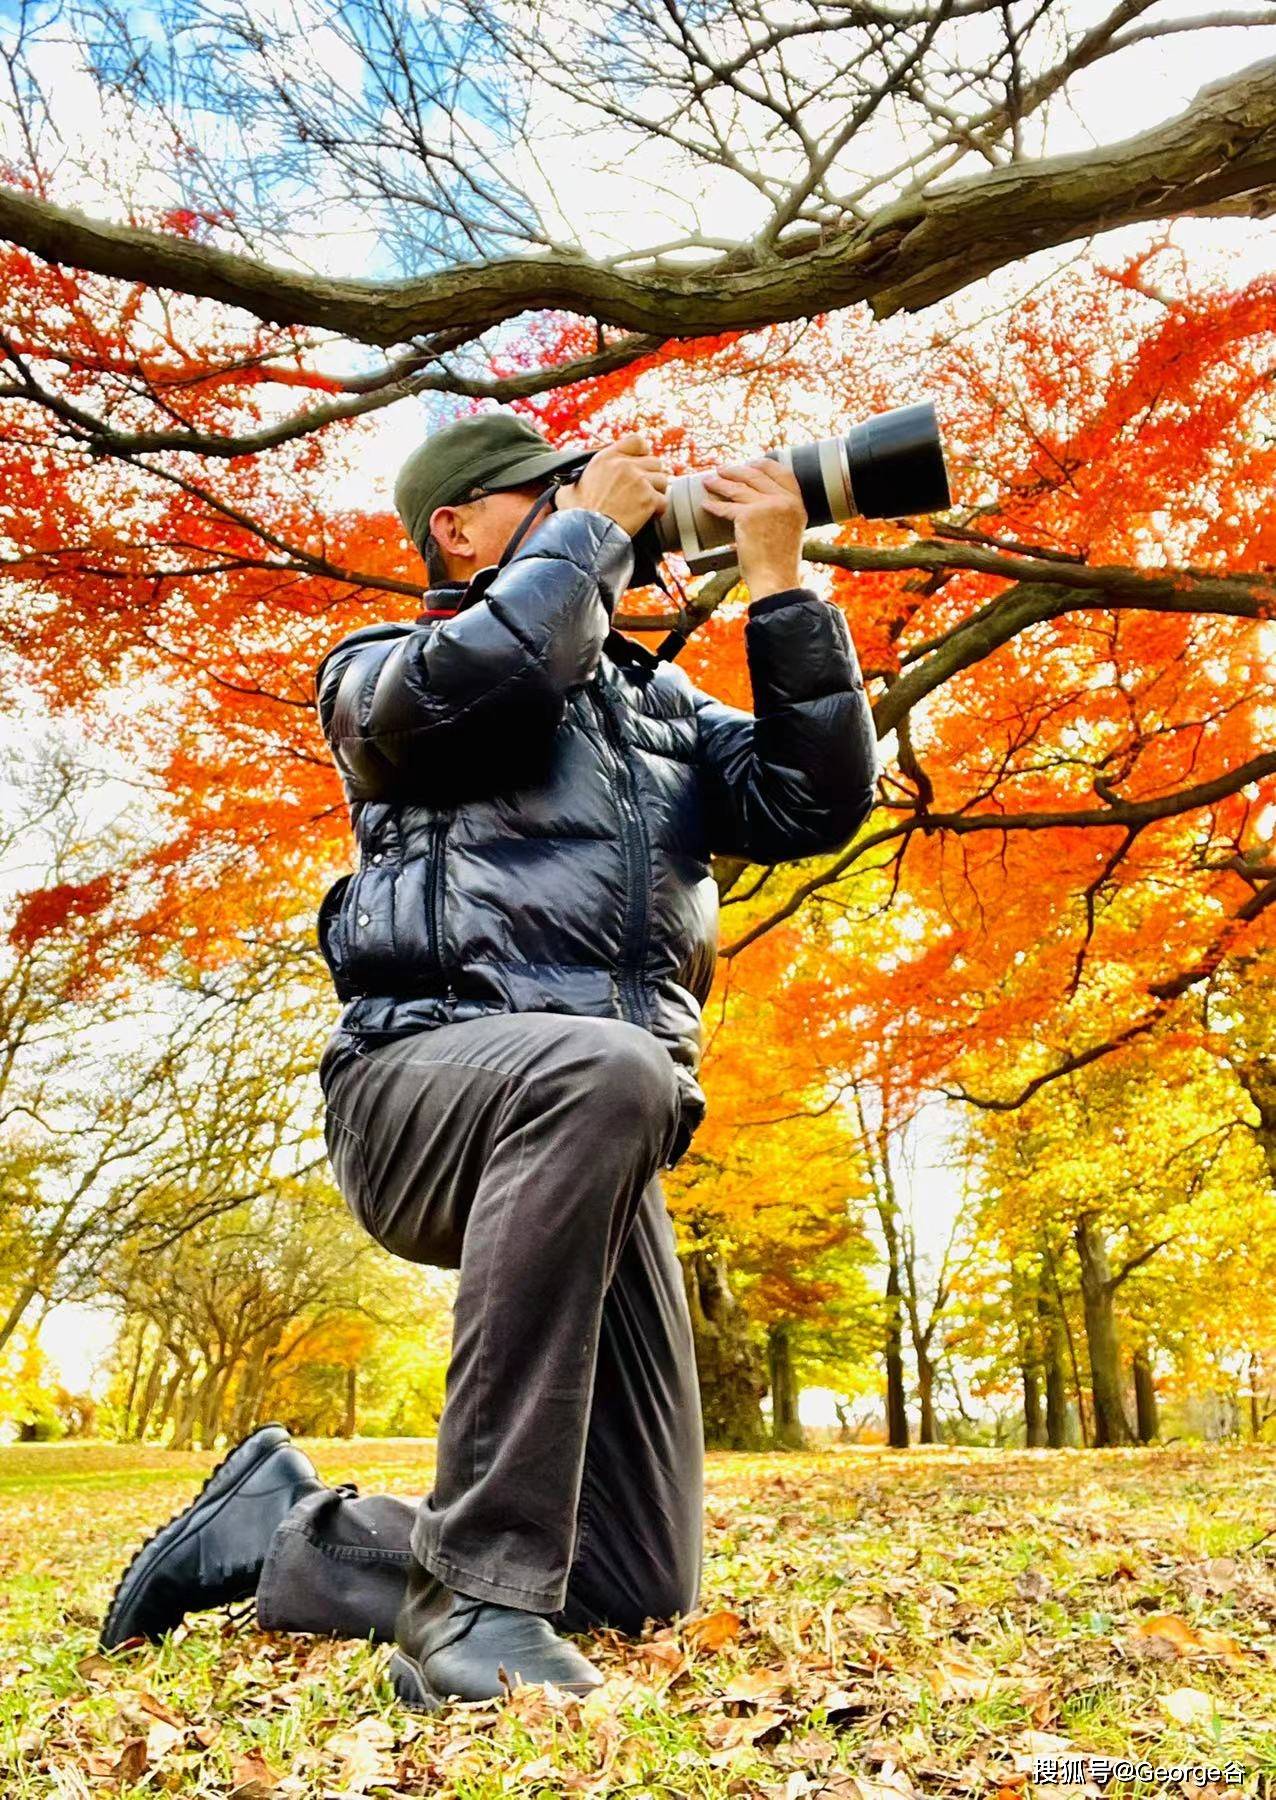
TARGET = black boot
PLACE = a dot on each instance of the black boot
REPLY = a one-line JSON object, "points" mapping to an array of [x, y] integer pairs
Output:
{"points": [[211, 1553], [453, 1647]]}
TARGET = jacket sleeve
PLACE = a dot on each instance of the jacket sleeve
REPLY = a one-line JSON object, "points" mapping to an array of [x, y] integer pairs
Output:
{"points": [[393, 700], [795, 776]]}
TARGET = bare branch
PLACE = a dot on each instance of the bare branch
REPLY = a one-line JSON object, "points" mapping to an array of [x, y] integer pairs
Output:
{"points": [[913, 252]]}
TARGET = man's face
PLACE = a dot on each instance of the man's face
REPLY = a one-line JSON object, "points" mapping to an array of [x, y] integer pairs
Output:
{"points": [[474, 534]]}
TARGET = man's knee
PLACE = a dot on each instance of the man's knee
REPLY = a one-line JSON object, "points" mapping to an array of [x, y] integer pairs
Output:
{"points": [[629, 1078]]}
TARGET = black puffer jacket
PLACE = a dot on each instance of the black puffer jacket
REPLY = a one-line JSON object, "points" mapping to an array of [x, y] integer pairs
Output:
{"points": [[535, 798]]}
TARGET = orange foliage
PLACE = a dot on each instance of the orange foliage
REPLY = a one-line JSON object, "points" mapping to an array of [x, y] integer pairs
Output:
{"points": [[1114, 416]]}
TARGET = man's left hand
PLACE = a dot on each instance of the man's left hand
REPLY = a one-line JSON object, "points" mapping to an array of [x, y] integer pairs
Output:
{"points": [[763, 501]]}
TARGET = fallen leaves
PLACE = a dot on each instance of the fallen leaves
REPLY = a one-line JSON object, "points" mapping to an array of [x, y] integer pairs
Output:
{"points": [[715, 1631], [252, 1777], [1188, 1640], [132, 1762], [1188, 1706], [885, 1638], [362, 1754], [952, 1676]]}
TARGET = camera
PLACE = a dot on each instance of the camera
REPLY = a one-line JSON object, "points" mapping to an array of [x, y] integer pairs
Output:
{"points": [[890, 466]]}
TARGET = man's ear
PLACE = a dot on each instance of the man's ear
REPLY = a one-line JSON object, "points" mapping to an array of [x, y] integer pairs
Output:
{"points": [[447, 528]]}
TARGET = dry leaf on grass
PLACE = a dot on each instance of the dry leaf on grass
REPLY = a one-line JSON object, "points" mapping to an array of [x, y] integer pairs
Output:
{"points": [[755, 1685], [714, 1631], [147, 1703], [1186, 1639], [812, 1747], [725, 1734], [870, 1618], [251, 1777], [131, 1765], [160, 1740], [362, 1754], [891, 1784], [1188, 1706], [1031, 1584], [953, 1676], [841, 1705], [662, 1654]]}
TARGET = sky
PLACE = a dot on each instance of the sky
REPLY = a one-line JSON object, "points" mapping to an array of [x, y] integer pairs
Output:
{"points": [[578, 178]]}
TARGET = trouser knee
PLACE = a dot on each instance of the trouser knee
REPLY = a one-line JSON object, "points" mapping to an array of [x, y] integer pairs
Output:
{"points": [[629, 1087]]}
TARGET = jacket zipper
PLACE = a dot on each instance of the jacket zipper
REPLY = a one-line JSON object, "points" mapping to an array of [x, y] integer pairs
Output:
{"points": [[438, 838], [637, 853]]}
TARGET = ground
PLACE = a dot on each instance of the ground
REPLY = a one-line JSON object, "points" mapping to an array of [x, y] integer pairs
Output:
{"points": [[874, 1625]]}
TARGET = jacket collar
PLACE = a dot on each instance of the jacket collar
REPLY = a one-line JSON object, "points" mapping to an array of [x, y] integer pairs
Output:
{"points": [[444, 601]]}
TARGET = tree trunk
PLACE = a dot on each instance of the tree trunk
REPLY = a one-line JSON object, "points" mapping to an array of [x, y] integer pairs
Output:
{"points": [[897, 1434], [248, 1398], [174, 1388], [185, 1426], [845, 1433], [1098, 1297], [1027, 1329], [1148, 1424], [786, 1427], [1052, 1347], [350, 1421], [1258, 1077], [210, 1407], [1034, 1427], [150, 1393], [135, 1376], [928, 1433], [728, 1364]]}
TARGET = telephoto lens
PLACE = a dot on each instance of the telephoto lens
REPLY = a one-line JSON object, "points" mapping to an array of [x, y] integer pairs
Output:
{"points": [[889, 467]]}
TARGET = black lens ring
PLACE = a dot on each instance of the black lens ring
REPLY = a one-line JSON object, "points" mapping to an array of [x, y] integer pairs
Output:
{"points": [[806, 465]]}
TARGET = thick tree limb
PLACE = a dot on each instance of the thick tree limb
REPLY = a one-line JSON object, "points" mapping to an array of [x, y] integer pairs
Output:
{"points": [[919, 249]]}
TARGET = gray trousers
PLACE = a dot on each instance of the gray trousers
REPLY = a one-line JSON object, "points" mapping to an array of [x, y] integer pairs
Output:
{"points": [[523, 1150]]}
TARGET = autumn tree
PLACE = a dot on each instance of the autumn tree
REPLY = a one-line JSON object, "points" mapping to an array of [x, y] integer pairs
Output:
{"points": [[217, 1316], [1110, 1197], [769, 1202], [1069, 672]]}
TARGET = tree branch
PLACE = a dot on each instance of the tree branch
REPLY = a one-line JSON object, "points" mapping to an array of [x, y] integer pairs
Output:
{"points": [[916, 250]]}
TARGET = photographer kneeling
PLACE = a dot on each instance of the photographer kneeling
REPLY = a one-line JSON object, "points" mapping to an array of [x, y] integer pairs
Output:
{"points": [[523, 952]]}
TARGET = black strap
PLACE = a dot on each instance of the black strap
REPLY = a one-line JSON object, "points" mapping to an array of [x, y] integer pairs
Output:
{"points": [[537, 507], [482, 579], [670, 647]]}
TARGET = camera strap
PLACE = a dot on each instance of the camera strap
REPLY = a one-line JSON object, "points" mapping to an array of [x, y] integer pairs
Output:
{"points": [[482, 579], [670, 647]]}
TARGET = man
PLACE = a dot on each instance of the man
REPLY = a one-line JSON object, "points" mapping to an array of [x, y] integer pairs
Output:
{"points": [[523, 952]]}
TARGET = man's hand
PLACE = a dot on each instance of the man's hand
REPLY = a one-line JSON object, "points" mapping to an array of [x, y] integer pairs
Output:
{"points": [[764, 502], [624, 481]]}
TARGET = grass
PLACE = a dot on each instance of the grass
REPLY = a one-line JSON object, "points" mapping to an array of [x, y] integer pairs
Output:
{"points": [[874, 1625]]}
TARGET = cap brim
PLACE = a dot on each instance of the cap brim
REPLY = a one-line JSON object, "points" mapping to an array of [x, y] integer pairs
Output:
{"points": [[533, 468]]}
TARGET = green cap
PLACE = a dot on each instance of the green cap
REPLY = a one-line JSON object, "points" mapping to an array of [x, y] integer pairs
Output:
{"points": [[489, 450]]}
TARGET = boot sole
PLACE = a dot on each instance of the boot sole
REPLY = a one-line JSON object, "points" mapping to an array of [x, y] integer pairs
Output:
{"points": [[413, 1687], [408, 1680], [205, 1494]]}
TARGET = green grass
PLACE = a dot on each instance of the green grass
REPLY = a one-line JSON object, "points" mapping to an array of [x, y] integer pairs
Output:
{"points": [[917, 1623]]}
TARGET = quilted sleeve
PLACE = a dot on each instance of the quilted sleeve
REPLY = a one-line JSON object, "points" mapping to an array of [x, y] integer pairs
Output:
{"points": [[796, 775], [395, 699]]}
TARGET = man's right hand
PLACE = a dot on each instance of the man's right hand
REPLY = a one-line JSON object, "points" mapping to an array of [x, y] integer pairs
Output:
{"points": [[624, 481]]}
